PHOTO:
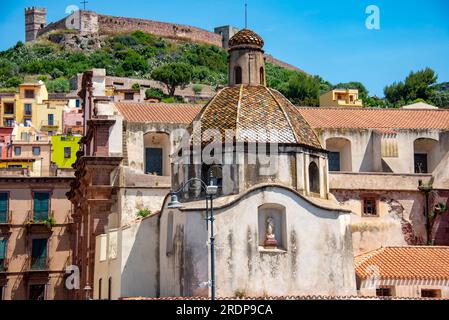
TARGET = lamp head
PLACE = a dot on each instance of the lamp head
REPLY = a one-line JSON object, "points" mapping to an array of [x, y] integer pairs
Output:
{"points": [[174, 203]]}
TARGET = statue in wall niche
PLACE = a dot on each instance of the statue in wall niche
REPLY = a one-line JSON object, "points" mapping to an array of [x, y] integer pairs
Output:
{"points": [[270, 237]]}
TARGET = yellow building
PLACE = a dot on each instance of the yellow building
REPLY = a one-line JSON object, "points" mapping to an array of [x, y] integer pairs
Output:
{"points": [[49, 116], [341, 98], [22, 107], [8, 109]]}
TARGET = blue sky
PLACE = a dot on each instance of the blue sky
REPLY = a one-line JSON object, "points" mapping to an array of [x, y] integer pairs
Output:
{"points": [[328, 38]]}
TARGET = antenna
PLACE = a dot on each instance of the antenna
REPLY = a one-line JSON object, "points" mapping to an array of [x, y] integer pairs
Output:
{"points": [[246, 15]]}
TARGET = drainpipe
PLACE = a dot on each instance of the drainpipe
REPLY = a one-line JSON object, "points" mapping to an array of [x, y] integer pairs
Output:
{"points": [[426, 189]]}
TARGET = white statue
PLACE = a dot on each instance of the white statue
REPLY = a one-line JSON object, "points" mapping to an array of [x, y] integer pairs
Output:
{"points": [[270, 238]]}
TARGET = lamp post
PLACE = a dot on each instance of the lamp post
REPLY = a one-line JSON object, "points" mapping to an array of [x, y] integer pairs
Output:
{"points": [[211, 190]]}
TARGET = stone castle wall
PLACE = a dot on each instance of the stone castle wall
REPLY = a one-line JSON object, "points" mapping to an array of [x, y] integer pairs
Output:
{"points": [[91, 22]]}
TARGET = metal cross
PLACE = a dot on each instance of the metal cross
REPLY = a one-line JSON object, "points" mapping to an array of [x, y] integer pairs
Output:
{"points": [[84, 3]]}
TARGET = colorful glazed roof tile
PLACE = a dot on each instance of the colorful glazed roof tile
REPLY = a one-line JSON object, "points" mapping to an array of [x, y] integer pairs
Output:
{"points": [[246, 37], [253, 114], [373, 118], [410, 263], [158, 112]]}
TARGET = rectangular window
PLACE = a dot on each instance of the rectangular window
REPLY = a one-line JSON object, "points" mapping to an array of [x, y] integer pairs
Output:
{"points": [[51, 119], [153, 161], [29, 94], [67, 152], [36, 151], [36, 292], [421, 163], [129, 96], [334, 161], [2, 254], [17, 151], [369, 207], [9, 108], [24, 136], [384, 292], [4, 198], [9, 122], [28, 109], [78, 103], [39, 254], [430, 293], [41, 206]]}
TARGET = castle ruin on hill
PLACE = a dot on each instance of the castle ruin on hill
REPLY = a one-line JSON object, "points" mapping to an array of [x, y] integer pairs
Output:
{"points": [[89, 22]]}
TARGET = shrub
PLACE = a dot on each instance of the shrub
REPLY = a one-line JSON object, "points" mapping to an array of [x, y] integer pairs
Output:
{"points": [[143, 213], [154, 93]]}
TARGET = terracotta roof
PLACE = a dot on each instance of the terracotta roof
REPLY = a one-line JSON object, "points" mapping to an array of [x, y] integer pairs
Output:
{"points": [[270, 298], [373, 118], [246, 37], [412, 263], [158, 112], [254, 114]]}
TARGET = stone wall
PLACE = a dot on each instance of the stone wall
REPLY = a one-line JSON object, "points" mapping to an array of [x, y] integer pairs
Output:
{"points": [[110, 24]]}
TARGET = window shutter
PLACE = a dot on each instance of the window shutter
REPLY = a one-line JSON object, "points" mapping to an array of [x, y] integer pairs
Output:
{"points": [[2, 249], [41, 204], [3, 202]]}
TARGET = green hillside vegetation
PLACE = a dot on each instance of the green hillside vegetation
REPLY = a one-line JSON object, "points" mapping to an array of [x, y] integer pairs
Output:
{"points": [[140, 55]]}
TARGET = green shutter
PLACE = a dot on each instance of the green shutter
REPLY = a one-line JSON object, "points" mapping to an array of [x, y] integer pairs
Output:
{"points": [[41, 205], [3, 207], [2, 249]]}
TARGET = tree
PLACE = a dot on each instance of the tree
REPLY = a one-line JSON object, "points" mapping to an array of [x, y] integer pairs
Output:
{"points": [[136, 86], [417, 85], [154, 93], [173, 75], [58, 85], [302, 89]]}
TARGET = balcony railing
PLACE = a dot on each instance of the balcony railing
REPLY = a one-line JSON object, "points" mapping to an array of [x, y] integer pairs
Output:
{"points": [[46, 123], [39, 264], [4, 263], [40, 216]]}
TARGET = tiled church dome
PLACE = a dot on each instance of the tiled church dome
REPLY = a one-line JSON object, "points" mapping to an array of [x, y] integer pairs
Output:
{"points": [[248, 111], [246, 37]]}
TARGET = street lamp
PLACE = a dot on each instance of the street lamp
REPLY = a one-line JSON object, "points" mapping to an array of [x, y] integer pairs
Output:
{"points": [[87, 290], [211, 190]]}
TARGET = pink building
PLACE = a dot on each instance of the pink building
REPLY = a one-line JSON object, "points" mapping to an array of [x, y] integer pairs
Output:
{"points": [[5, 142], [72, 121]]}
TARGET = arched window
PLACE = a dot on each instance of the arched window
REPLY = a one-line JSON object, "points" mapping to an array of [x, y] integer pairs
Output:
{"points": [[262, 76], [99, 288], [314, 178], [238, 75], [110, 289]]}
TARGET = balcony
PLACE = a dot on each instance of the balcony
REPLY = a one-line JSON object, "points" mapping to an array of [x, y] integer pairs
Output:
{"points": [[49, 125], [14, 172], [37, 267], [5, 221], [40, 222]]}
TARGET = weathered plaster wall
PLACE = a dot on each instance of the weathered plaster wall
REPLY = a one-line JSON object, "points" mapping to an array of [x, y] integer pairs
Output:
{"points": [[400, 222], [318, 257]]}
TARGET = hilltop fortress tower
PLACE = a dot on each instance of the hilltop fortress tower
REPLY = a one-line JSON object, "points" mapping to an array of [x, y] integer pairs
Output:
{"points": [[35, 20]]}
